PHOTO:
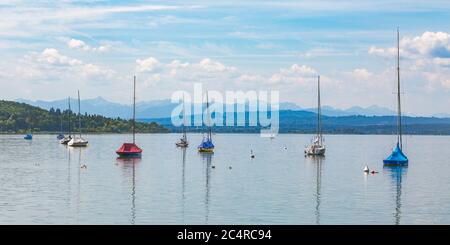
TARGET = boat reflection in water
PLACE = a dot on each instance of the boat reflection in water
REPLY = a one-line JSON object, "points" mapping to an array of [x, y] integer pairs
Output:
{"points": [[207, 163], [317, 162], [397, 173], [183, 179], [128, 164], [80, 166]]}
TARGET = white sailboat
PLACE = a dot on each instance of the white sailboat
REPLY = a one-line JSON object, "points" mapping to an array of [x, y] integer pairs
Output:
{"points": [[78, 141], [317, 148]]}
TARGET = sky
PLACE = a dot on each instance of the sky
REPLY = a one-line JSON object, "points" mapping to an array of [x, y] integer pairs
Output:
{"points": [[50, 49]]}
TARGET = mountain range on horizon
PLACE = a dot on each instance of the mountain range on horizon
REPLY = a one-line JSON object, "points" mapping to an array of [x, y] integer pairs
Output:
{"points": [[163, 108]]}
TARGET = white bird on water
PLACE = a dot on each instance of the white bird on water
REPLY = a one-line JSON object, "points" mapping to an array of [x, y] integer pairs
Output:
{"points": [[366, 169]]}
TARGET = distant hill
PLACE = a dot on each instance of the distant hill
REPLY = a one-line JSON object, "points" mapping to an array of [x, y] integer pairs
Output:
{"points": [[20, 117], [305, 122], [355, 111], [163, 108]]}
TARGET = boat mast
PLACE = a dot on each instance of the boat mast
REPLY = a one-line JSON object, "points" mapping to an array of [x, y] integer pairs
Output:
{"points": [[70, 115], [134, 108], [61, 127], [207, 112], [319, 111], [399, 110], [184, 121], [79, 113]]}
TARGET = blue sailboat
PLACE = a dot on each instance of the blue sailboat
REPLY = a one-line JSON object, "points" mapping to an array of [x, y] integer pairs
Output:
{"points": [[397, 157], [29, 136], [207, 144]]}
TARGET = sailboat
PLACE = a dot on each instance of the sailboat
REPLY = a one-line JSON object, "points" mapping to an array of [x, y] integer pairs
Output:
{"points": [[78, 141], [131, 149], [317, 148], [397, 156], [67, 138], [207, 144], [29, 136], [183, 140]]}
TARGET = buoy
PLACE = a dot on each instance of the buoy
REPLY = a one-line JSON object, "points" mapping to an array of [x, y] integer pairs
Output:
{"points": [[213, 166], [285, 148], [229, 167], [251, 154], [366, 169]]}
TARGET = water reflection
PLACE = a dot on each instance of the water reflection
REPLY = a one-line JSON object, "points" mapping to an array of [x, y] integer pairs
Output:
{"points": [[397, 174], [208, 158], [69, 185], [78, 179], [317, 162], [129, 167], [183, 182]]}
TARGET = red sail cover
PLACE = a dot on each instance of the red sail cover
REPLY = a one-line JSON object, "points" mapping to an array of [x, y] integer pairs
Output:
{"points": [[129, 148]]}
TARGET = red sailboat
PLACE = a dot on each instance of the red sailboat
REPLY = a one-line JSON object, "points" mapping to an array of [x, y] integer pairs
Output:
{"points": [[131, 149]]}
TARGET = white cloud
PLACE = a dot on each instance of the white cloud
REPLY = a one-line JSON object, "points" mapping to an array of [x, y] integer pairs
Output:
{"points": [[147, 65], [81, 45], [362, 74], [427, 45], [442, 61], [299, 74], [52, 56], [383, 52], [89, 70], [426, 56], [431, 44], [50, 64], [209, 65]]}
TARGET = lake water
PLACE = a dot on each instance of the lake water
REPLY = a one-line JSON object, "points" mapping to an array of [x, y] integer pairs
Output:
{"points": [[41, 181]]}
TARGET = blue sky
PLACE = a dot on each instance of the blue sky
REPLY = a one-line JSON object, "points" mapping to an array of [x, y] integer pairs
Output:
{"points": [[49, 50]]}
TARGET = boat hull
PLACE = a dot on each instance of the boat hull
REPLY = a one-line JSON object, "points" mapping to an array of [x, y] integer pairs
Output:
{"points": [[129, 154], [315, 151], [77, 142], [28, 137], [65, 141], [395, 162], [181, 144], [397, 158], [206, 150], [130, 150]]}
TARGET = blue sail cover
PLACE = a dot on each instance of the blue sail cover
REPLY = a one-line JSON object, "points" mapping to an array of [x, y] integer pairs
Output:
{"points": [[396, 158], [206, 144]]}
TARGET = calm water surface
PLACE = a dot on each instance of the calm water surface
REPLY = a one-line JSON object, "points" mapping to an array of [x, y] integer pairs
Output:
{"points": [[41, 181]]}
